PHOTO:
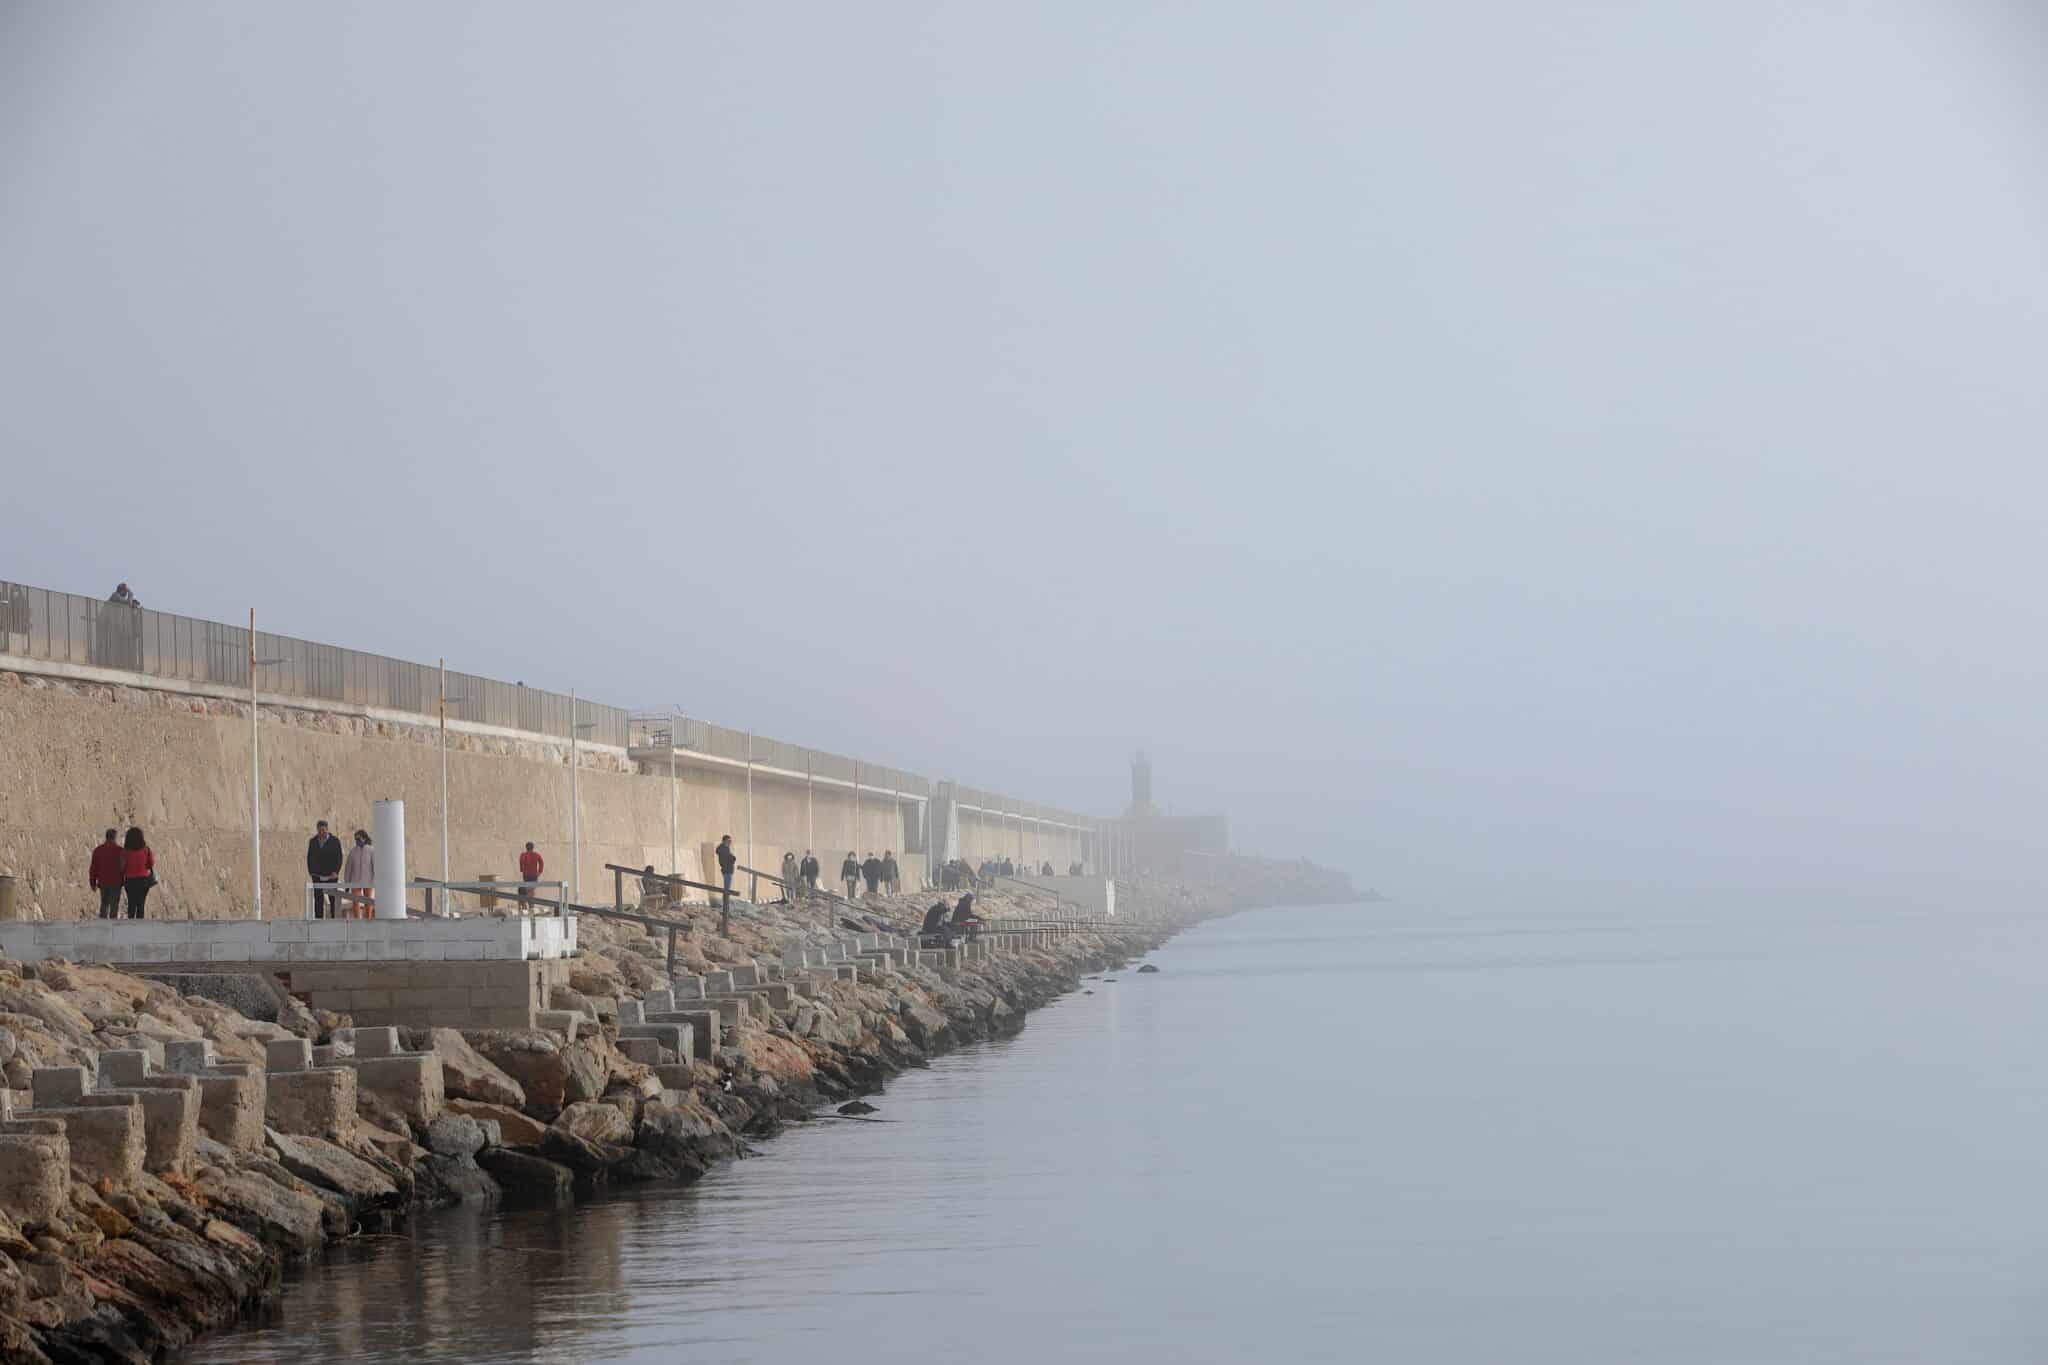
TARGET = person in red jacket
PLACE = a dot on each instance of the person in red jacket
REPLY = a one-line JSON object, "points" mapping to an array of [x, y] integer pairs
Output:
{"points": [[138, 867], [531, 865], [108, 871]]}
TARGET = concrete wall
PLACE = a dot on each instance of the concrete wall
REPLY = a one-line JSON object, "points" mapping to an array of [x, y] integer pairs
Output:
{"points": [[78, 755]]}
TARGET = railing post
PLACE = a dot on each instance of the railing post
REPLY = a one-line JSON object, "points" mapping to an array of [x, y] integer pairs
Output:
{"points": [[618, 889]]}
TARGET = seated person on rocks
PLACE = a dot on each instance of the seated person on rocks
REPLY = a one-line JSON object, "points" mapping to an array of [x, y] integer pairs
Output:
{"points": [[934, 926], [964, 918]]}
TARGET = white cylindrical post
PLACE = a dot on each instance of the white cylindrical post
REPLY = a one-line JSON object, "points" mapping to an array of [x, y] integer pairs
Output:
{"points": [[255, 788], [387, 830], [674, 738], [750, 798], [575, 810], [445, 907]]}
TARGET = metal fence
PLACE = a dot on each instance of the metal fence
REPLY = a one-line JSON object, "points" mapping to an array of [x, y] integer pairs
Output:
{"points": [[653, 731], [62, 627]]}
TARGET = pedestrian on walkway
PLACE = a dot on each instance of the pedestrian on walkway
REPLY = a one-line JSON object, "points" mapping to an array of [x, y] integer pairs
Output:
{"points": [[727, 860], [849, 872], [531, 865], [359, 875], [792, 883], [105, 875], [871, 868], [323, 864], [892, 875], [808, 870], [138, 870]]}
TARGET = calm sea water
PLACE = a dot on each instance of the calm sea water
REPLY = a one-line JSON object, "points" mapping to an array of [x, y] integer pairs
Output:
{"points": [[1367, 1133]]}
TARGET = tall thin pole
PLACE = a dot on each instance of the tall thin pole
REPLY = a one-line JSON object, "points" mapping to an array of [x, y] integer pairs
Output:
{"points": [[674, 868], [255, 786], [750, 798], [810, 800], [444, 776], [856, 807], [575, 810]]}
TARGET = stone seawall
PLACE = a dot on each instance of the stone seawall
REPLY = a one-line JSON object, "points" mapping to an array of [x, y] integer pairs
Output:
{"points": [[79, 756]]}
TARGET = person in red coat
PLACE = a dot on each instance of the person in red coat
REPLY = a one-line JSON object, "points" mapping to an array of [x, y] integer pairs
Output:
{"points": [[108, 871], [531, 865], [138, 867]]}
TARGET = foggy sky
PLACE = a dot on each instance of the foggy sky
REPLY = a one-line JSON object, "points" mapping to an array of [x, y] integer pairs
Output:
{"points": [[1588, 454]]}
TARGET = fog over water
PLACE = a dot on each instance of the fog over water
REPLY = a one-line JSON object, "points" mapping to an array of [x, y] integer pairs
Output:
{"points": [[1345, 1135], [1565, 454]]}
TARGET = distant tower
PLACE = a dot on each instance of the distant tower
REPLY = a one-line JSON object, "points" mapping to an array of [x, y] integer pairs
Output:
{"points": [[1141, 783]]}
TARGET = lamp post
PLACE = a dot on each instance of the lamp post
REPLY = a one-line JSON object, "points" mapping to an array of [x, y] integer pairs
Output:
{"points": [[576, 728], [445, 699], [255, 780], [675, 736]]}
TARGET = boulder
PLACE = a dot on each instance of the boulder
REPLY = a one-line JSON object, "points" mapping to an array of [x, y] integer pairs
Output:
{"points": [[466, 1073], [455, 1135], [459, 1179], [525, 1174], [684, 1133], [1148, 967], [596, 1122], [553, 1074], [514, 1128], [322, 1163], [271, 1212]]}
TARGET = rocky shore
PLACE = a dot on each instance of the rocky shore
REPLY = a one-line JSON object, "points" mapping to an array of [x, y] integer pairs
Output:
{"points": [[124, 1235]]}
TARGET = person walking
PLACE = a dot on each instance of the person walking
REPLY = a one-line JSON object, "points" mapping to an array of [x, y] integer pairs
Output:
{"points": [[359, 875], [323, 865], [727, 860], [106, 873], [849, 872], [808, 870], [138, 870], [792, 882], [531, 865], [892, 875], [871, 869]]}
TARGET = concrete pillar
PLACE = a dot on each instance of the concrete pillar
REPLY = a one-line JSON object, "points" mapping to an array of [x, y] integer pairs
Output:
{"points": [[387, 827]]}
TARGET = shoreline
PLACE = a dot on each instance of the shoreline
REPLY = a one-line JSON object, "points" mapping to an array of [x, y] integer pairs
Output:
{"points": [[141, 1269]]}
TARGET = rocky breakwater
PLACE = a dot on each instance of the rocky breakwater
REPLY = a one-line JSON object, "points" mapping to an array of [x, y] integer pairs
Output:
{"points": [[163, 1155]]}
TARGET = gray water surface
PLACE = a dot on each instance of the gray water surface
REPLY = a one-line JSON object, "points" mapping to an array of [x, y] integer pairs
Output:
{"points": [[1359, 1133]]}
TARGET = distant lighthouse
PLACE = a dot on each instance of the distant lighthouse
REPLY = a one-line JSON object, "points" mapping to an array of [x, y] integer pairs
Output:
{"points": [[1141, 783]]}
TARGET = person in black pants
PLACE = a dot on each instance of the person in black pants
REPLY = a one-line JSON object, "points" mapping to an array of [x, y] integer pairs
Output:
{"points": [[849, 872], [323, 865], [140, 866]]}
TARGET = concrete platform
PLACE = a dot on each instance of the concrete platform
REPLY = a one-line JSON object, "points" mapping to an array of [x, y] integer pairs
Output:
{"points": [[165, 941]]}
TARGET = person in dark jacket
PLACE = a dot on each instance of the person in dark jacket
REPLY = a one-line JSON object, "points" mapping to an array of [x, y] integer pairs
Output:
{"points": [[964, 911], [892, 875], [871, 869], [323, 866], [849, 872], [808, 869], [935, 920], [106, 874], [138, 870], [727, 860]]}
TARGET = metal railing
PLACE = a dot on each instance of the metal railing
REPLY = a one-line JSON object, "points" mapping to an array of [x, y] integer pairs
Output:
{"points": [[62, 627]]}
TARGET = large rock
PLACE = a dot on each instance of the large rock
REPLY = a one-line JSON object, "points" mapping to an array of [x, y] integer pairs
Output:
{"points": [[322, 1163], [685, 1134], [515, 1129], [270, 1211], [596, 1123], [552, 1073], [458, 1179], [522, 1173], [455, 1135], [466, 1074], [589, 1138]]}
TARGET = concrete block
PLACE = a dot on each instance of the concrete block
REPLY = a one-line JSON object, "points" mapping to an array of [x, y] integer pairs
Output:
{"points": [[123, 1066], [631, 1012], [55, 1086], [287, 1054], [777, 994], [35, 1176], [718, 983], [410, 1084], [308, 1103], [170, 1121], [644, 1050], [704, 1026], [231, 1106], [377, 1042], [658, 1001], [564, 1022], [106, 1138], [674, 1037], [745, 974], [188, 1056], [687, 988]]}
